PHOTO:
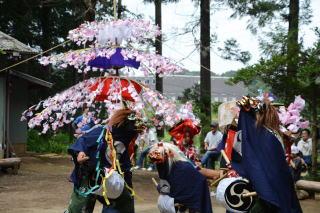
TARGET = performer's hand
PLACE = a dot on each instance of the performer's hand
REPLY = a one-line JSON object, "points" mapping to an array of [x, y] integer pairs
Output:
{"points": [[198, 163], [163, 187], [82, 157], [228, 166], [288, 133]]}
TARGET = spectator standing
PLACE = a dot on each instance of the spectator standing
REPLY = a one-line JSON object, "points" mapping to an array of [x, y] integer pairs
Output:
{"points": [[151, 139], [305, 146], [211, 142], [139, 146]]}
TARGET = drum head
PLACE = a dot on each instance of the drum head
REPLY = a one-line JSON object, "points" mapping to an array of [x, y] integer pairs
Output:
{"points": [[233, 196]]}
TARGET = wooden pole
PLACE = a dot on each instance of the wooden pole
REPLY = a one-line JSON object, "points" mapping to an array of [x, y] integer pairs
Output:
{"points": [[7, 115], [308, 185]]}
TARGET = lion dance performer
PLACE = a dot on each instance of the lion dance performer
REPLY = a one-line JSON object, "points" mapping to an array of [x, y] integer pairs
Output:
{"points": [[263, 160], [181, 185], [102, 165], [182, 134]]}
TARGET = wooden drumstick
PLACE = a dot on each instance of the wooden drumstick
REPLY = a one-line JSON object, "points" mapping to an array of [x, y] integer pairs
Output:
{"points": [[224, 155], [249, 194], [221, 173], [220, 178], [155, 182]]}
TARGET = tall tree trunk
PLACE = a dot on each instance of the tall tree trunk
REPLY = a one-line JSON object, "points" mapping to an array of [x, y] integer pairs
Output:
{"points": [[205, 75], [45, 27], [119, 9], [90, 13], [45, 24], [314, 129], [293, 42], [158, 46], [158, 42]]}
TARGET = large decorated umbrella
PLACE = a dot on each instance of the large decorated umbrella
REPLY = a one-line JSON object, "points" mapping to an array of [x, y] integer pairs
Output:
{"points": [[110, 93], [112, 45]]}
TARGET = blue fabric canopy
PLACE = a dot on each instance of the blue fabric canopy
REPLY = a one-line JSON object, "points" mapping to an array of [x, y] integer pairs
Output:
{"points": [[115, 61]]}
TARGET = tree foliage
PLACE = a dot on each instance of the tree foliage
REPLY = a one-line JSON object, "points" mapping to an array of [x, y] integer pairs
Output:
{"points": [[263, 13], [232, 51], [285, 66], [43, 24]]}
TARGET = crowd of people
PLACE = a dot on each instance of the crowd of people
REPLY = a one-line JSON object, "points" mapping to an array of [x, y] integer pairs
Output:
{"points": [[123, 146]]}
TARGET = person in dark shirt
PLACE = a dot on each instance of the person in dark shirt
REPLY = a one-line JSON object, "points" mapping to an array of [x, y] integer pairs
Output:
{"points": [[297, 164]]}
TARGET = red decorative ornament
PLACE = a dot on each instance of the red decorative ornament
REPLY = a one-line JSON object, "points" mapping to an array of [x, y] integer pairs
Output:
{"points": [[179, 130], [229, 143], [107, 82]]}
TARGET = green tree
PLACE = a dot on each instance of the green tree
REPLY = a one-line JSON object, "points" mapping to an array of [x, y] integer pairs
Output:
{"points": [[232, 51], [45, 23], [285, 66]]}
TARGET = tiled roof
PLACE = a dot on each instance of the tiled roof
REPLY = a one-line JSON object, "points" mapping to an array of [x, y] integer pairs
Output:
{"points": [[31, 78], [174, 86], [8, 43]]}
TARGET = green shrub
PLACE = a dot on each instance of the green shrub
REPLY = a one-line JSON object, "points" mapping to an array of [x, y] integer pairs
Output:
{"points": [[56, 143]]}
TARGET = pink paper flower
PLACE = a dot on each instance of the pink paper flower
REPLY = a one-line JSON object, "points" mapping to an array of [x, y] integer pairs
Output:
{"points": [[65, 104], [304, 124], [79, 59], [290, 118]]}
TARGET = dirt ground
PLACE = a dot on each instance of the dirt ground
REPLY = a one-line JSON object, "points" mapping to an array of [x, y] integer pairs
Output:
{"points": [[41, 186]]}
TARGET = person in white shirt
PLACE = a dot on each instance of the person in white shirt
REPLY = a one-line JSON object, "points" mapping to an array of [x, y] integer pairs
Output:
{"points": [[148, 142], [305, 146], [213, 138]]}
